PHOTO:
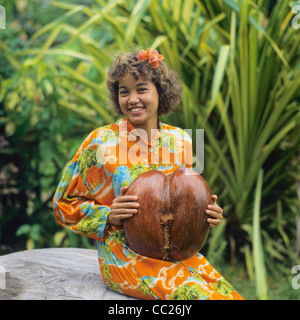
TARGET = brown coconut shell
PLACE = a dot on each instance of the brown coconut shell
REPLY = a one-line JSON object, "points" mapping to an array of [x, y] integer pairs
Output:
{"points": [[170, 223]]}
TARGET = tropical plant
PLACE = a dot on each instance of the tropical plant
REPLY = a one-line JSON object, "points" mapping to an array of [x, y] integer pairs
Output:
{"points": [[33, 146], [239, 65]]}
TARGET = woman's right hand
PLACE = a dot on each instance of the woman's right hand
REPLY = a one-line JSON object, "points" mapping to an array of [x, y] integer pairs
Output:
{"points": [[122, 207]]}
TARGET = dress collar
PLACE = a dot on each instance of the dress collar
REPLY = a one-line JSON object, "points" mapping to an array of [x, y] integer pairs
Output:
{"points": [[127, 126]]}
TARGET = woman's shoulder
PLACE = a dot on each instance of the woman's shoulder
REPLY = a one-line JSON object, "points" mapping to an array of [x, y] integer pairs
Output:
{"points": [[98, 136], [177, 131], [104, 131], [169, 127]]}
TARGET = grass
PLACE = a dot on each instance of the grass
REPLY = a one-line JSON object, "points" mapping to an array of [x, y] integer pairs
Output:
{"points": [[279, 285]]}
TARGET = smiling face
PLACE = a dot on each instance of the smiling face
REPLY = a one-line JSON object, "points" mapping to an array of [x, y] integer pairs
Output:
{"points": [[139, 100]]}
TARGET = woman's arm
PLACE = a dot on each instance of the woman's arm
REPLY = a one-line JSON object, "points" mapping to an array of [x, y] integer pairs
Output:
{"points": [[76, 209]]}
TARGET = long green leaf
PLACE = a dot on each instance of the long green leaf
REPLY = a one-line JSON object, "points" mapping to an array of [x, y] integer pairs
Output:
{"points": [[101, 109], [258, 251], [10, 56], [57, 52], [47, 44], [234, 6], [60, 19], [220, 71], [136, 16], [216, 236]]}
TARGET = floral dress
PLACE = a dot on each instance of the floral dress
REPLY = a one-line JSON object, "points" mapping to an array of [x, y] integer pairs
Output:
{"points": [[112, 157]]}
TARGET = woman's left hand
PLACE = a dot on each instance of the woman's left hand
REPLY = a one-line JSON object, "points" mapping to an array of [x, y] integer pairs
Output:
{"points": [[215, 212]]}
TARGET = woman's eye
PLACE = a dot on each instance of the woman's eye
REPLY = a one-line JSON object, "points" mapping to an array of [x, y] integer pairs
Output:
{"points": [[124, 92]]}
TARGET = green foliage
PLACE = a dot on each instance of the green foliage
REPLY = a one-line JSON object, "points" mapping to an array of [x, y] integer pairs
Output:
{"points": [[240, 69], [258, 253], [37, 137]]}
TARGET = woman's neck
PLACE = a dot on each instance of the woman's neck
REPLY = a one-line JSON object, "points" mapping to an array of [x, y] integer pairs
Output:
{"points": [[148, 130]]}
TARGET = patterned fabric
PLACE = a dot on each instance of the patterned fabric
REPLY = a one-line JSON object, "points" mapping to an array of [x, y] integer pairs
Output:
{"points": [[111, 157]]}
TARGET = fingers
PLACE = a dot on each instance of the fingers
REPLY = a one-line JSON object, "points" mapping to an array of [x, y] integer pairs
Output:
{"points": [[123, 207], [215, 213], [116, 219], [124, 204], [214, 199], [124, 199], [116, 215], [213, 222], [123, 190]]}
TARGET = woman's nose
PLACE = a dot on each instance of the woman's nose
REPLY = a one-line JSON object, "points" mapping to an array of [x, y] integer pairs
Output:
{"points": [[133, 99]]}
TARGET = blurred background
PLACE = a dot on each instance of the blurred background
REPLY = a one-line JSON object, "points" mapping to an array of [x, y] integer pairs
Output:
{"points": [[239, 62]]}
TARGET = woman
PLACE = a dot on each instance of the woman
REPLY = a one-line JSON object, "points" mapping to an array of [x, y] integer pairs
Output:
{"points": [[90, 199]]}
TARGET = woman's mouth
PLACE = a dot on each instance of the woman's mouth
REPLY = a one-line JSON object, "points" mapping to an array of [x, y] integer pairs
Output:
{"points": [[136, 109]]}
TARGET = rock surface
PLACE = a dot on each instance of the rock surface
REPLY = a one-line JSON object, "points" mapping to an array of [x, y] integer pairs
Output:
{"points": [[53, 274]]}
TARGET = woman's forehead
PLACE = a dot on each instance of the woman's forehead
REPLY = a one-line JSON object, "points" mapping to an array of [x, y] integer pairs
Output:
{"points": [[131, 80]]}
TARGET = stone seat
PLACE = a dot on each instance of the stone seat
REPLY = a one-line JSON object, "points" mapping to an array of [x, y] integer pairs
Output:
{"points": [[53, 274]]}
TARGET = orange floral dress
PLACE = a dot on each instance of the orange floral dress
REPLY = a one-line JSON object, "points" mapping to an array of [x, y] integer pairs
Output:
{"points": [[109, 158]]}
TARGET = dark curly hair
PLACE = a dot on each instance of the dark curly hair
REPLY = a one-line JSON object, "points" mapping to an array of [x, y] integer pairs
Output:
{"points": [[166, 81]]}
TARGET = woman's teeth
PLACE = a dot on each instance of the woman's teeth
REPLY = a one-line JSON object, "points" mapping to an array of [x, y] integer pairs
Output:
{"points": [[136, 109]]}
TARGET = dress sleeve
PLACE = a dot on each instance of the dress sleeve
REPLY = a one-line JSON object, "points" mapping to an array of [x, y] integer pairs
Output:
{"points": [[75, 207], [188, 149]]}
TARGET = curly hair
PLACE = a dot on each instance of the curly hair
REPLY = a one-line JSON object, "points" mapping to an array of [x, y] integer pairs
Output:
{"points": [[166, 81]]}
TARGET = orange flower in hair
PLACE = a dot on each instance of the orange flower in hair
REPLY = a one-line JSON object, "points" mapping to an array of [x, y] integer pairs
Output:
{"points": [[152, 55]]}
